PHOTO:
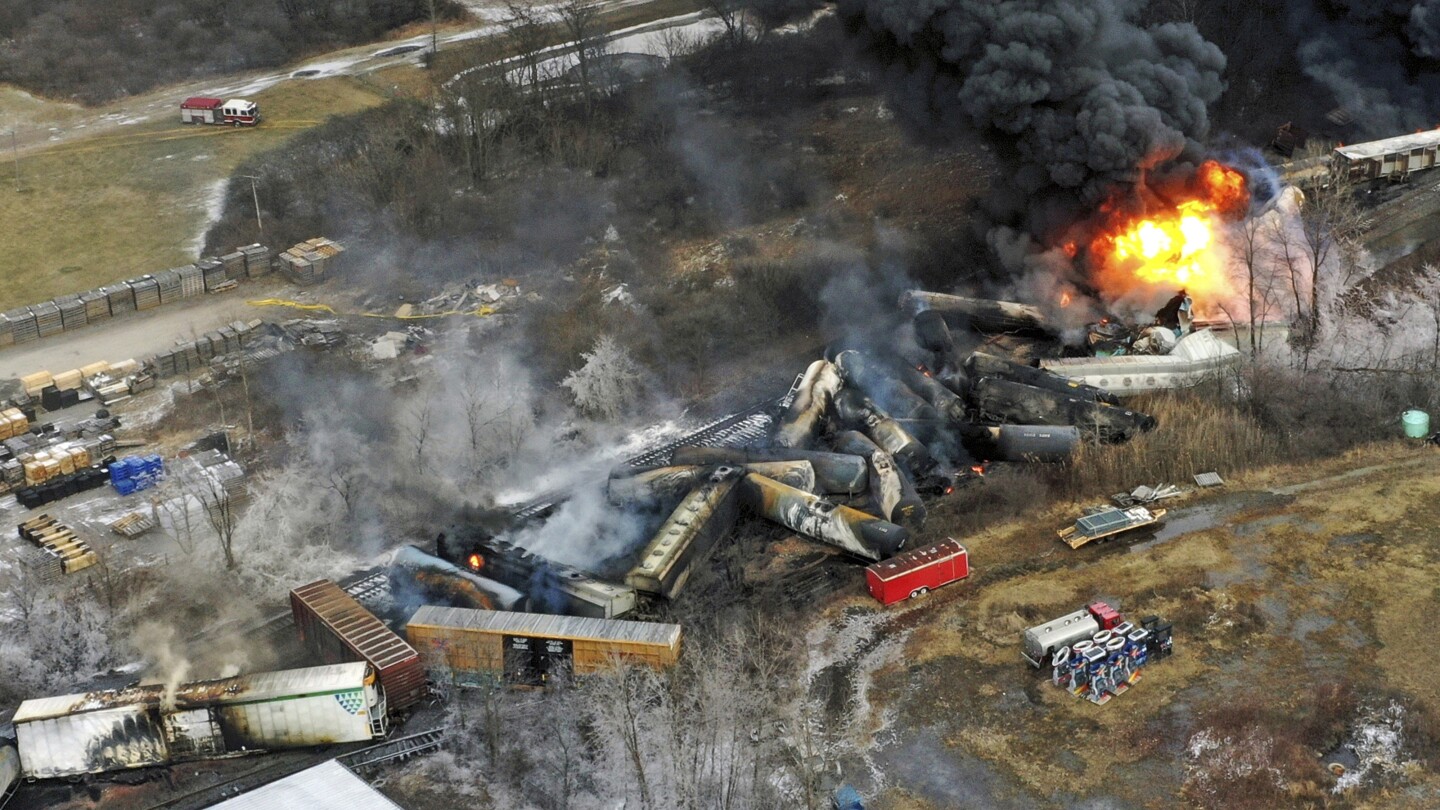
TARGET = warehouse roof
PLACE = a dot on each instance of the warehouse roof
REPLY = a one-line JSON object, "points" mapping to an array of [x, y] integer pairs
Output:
{"points": [[537, 624], [243, 689], [1390, 146], [329, 786]]}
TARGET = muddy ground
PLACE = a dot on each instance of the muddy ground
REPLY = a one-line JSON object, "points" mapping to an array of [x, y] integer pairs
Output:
{"points": [[1301, 600]]}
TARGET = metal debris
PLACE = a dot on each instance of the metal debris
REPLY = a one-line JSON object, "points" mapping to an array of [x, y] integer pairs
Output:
{"points": [[1142, 495], [1208, 479]]}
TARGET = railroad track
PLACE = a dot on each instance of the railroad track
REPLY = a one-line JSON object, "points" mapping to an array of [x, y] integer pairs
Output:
{"points": [[368, 587], [398, 749], [744, 428]]}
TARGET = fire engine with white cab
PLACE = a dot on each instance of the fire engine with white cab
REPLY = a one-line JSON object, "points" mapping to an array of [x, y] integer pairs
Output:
{"points": [[204, 110]]}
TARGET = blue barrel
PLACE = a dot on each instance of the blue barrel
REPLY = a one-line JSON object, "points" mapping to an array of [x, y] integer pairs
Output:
{"points": [[1416, 423]]}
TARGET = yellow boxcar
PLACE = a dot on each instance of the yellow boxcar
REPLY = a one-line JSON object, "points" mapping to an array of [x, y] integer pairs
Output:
{"points": [[467, 646]]}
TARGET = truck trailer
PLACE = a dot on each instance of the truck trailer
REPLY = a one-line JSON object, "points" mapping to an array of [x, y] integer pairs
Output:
{"points": [[916, 573]]}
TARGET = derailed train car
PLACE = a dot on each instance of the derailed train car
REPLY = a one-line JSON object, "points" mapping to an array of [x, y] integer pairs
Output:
{"points": [[687, 536], [144, 726], [1004, 401], [549, 587]]}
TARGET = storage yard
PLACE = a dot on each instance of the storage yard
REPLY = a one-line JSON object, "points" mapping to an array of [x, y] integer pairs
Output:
{"points": [[808, 420]]}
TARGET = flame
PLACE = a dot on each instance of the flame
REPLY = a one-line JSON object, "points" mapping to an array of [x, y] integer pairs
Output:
{"points": [[1065, 299], [1175, 246], [923, 370], [476, 561]]}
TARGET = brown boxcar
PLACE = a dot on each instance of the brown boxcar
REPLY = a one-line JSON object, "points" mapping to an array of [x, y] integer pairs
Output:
{"points": [[339, 629], [478, 646]]}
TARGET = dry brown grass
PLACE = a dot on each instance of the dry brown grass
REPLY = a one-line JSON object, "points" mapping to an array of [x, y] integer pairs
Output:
{"points": [[1196, 434]]}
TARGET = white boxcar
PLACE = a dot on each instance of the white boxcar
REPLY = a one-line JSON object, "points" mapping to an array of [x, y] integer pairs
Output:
{"points": [[140, 727]]}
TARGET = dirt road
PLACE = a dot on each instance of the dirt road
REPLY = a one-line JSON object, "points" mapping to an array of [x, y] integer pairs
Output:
{"points": [[139, 335]]}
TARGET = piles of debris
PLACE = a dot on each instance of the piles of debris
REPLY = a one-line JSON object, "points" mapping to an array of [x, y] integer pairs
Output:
{"points": [[470, 298], [860, 438], [1143, 495]]}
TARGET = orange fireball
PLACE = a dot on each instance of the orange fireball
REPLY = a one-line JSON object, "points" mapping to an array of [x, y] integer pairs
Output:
{"points": [[1176, 245]]}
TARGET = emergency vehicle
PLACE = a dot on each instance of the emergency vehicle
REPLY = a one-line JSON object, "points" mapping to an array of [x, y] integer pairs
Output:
{"points": [[203, 110]]}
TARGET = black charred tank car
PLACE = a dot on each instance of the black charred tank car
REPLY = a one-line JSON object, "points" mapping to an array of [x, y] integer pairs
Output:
{"points": [[548, 586]]}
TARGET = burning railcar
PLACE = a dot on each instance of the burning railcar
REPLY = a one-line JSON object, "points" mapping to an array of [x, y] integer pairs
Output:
{"points": [[96, 732], [547, 586], [414, 573]]}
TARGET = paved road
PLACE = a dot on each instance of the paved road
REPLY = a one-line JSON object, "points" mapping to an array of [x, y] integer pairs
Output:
{"points": [[361, 59]]}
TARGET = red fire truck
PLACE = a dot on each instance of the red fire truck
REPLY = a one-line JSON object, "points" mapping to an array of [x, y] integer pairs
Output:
{"points": [[202, 110], [916, 573]]}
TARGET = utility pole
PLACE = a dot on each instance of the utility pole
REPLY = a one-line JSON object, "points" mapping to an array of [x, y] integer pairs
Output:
{"points": [[434, 36], [256, 196]]}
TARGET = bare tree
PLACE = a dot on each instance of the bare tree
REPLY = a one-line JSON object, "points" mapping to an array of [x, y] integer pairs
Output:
{"points": [[416, 427], [581, 21], [1329, 218], [221, 512], [528, 33], [731, 14], [1252, 257]]}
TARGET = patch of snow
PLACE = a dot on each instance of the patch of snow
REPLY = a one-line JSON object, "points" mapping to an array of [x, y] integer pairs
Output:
{"points": [[213, 199], [1377, 742]]}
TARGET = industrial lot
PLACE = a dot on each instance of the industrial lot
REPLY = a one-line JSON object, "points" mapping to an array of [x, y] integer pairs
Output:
{"points": [[744, 404]]}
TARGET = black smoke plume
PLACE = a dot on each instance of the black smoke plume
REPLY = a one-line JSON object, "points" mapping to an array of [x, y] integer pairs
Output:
{"points": [[1077, 97], [1380, 60]]}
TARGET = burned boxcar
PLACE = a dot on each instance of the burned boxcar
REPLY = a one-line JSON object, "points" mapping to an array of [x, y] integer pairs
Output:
{"points": [[338, 629], [472, 647], [143, 726]]}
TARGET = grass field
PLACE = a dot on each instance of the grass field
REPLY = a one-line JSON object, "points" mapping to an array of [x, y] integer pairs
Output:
{"points": [[137, 198]]}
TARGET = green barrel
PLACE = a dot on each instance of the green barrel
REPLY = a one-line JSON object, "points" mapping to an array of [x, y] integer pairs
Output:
{"points": [[1417, 424]]}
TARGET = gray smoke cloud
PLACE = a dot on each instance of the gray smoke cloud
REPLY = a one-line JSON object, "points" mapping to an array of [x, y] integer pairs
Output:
{"points": [[1078, 94]]}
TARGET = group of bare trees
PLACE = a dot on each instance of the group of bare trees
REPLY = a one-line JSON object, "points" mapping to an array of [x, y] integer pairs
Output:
{"points": [[729, 727], [1296, 262], [98, 52]]}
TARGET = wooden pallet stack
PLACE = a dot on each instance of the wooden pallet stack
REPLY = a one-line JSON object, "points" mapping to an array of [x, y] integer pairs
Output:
{"points": [[63, 551]]}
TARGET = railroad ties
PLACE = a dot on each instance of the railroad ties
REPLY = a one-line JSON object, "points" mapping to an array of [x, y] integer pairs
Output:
{"points": [[398, 749]]}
